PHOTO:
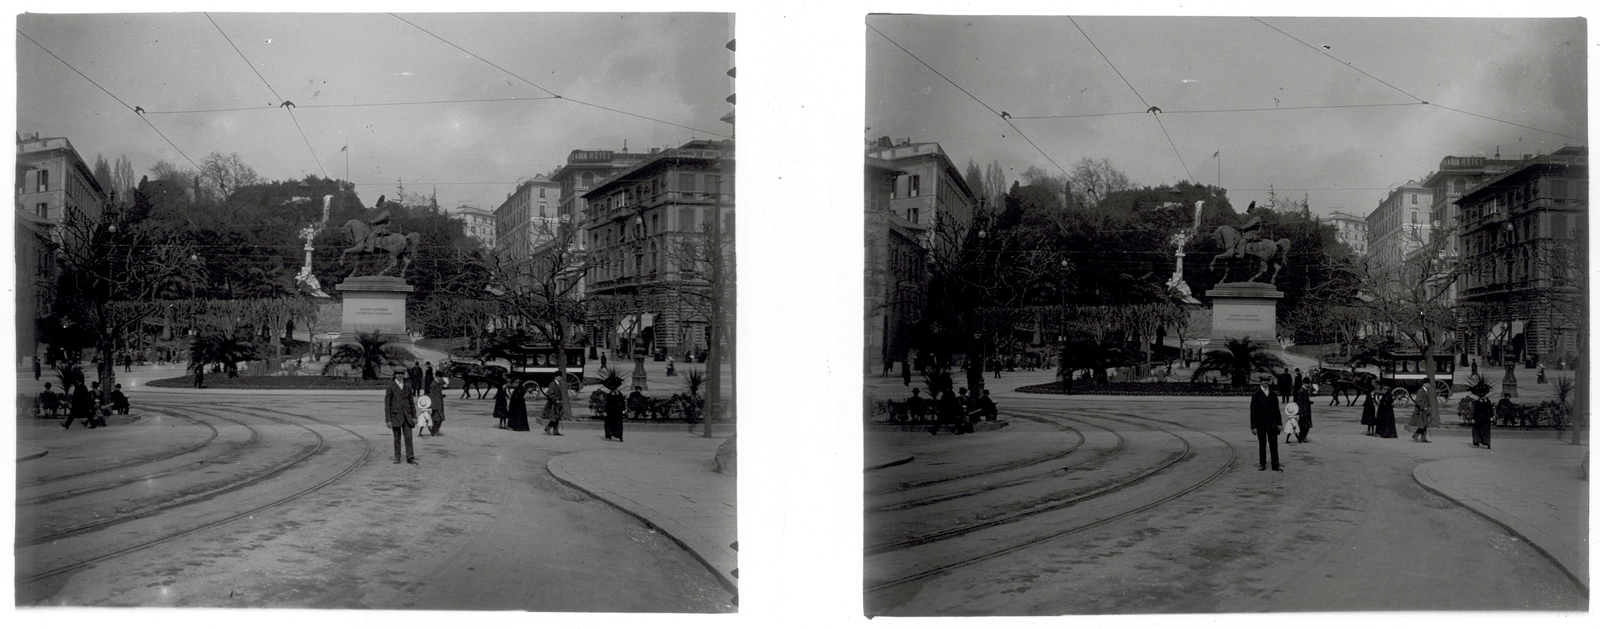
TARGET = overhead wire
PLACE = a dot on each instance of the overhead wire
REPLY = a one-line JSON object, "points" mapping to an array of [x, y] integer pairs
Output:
{"points": [[553, 94], [285, 104], [1420, 101], [130, 108], [349, 105], [1156, 111]]}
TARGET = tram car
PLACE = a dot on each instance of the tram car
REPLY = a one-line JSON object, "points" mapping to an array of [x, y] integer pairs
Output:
{"points": [[1406, 370], [539, 365]]}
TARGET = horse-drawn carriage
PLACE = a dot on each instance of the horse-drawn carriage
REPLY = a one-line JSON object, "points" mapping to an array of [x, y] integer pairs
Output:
{"points": [[540, 365]]}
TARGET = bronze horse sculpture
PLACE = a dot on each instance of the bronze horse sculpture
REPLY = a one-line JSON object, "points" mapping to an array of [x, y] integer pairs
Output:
{"points": [[400, 248], [1235, 248]]}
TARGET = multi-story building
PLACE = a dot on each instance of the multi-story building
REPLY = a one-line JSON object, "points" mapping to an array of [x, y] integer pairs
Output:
{"points": [[585, 168], [527, 218], [52, 179], [1350, 230], [1399, 225], [1523, 239], [651, 232], [929, 191], [477, 223], [895, 271], [1455, 175]]}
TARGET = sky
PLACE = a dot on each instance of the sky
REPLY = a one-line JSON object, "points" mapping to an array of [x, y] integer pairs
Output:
{"points": [[666, 66], [1530, 72]]}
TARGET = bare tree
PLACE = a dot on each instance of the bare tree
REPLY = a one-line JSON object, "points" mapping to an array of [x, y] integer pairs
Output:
{"points": [[704, 282], [222, 175], [1093, 179], [122, 179]]}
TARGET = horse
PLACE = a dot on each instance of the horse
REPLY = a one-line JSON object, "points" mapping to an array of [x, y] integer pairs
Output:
{"points": [[1352, 384], [399, 247], [483, 377], [1229, 238]]}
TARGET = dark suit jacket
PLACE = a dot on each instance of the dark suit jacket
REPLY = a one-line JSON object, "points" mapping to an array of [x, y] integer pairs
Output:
{"points": [[399, 409], [1264, 413]]}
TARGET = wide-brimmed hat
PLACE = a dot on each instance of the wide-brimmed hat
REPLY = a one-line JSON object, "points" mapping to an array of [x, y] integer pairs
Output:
{"points": [[1481, 389], [1264, 378]]}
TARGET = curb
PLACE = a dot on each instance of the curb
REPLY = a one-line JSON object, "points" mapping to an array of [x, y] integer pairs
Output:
{"points": [[727, 583], [38, 455], [1576, 580], [898, 461]]}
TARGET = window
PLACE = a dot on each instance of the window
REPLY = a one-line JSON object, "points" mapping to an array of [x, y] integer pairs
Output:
{"points": [[1558, 188], [913, 215], [541, 208], [685, 182], [686, 257], [541, 193], [686, 219], [914, 185], [588, 179], [1413, 198], [43, 209], [1413, 216], [44, 181]]}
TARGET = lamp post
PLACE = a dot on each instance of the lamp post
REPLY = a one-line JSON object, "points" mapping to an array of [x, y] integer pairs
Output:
{"points": [[640, 379], [1508, 384]]}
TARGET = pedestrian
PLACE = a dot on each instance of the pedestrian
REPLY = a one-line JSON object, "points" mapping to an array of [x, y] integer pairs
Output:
{"points": [[517, 414], [552, 410], [1474, 366], [1299, 380], [199, 376], [36, 368], [997, 366], [964, 417], [400, 413], [671, 370], [1541, 379], [1284, 382], [615, 407], [916, 405], [1266, 420], [127, 363], [1302, 398], [414, 376], [436, 399], [1482, 414], [887, 366], [638, 404], [1369, 415], [1385, 418], [427, 377], [947, 410], [82, 406], [501, 412], [602, 360], [1421, 415]]}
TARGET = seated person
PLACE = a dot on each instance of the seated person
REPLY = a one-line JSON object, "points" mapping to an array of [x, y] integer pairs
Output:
{"points": [[638, 404], [917, 406], [119, 401], [47, 403]]}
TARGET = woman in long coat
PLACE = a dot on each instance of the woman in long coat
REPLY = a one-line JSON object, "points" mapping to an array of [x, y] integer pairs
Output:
{"points": [[500, 409], [436, 397], [552, 410], [1369, 415], [1386, 427], [1482, 415], [517, 416], [1302, 399], [1421, 415]]}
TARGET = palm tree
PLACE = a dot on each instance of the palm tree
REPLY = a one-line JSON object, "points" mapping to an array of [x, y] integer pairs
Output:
{"points": [[370, 353], [228, 350], [1239, 359]]}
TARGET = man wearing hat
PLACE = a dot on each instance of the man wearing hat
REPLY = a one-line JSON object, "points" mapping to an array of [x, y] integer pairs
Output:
{"points": [[1266, 421], [1482, 413]]}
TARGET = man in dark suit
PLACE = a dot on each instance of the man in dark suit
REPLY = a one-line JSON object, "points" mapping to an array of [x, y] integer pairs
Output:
{"points": [[1285, 386], [1299, 380], [400, 413], [414, 376], [1266, 421]]}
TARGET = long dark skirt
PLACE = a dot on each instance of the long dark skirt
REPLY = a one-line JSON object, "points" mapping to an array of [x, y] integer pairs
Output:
{"points": [[517, 418], [1480, 432], [1386, 427], [613, 426]]}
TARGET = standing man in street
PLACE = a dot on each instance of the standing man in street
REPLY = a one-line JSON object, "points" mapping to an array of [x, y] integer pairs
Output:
{"points": [[1266, 420], [1284, 384], [1299, 380], [414, 376], [427, 377], [400, 413], [436, 400]]}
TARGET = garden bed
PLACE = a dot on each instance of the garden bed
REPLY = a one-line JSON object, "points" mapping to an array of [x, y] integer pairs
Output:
{"points": [[1142, 388], [219, 381]]}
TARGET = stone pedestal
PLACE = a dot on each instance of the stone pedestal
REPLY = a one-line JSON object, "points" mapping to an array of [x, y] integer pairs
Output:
{"points": [[1244, 309], [374, 302]]}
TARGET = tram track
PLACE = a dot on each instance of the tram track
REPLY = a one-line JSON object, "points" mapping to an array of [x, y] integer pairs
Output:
{"points": [[254, 438], [995, 470], [131, 463], [209, 523], [1029, 538]]}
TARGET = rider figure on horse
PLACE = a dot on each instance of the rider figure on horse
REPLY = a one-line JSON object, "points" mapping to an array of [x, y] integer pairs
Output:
{"points": [[379, 228]]}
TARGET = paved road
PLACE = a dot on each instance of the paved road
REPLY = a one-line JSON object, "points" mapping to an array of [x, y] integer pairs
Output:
{"points": [[1347, 527], [480, 524]]}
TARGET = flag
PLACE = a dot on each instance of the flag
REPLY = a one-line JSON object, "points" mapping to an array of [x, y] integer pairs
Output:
{"points": [[1219, 152], [342, 148]]}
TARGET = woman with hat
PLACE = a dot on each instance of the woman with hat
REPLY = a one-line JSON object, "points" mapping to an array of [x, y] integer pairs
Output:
{"points": [[1386, 427], [1369, 415], [1302, 398], [1482, 414]]}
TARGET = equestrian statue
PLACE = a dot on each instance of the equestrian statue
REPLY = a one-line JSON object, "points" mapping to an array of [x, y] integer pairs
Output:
{"points": [[1244, 243], [374, 239]]}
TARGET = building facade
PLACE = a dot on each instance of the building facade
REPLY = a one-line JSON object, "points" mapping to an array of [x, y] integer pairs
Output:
{"points": [[1399, 225], [651, 232], [527, 218], [584, 169], [1350, 230], [1523, 240], [478, 224], [52, 179], [929, 192], [896, 275], [1456, 174]]}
